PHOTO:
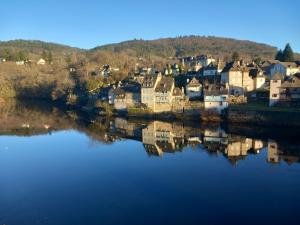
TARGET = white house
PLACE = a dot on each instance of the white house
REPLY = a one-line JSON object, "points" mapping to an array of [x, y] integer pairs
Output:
{"points": [[205, 60], [20, 63], [275, 84], [216, 99], [212, 69], [193, 88], [41, 61]]}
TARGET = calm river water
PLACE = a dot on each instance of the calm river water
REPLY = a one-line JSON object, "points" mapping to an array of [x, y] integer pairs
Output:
{"points": [[58, 168]]}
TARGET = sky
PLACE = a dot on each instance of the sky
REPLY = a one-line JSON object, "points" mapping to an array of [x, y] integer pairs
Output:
{"points": [[89, 23]]}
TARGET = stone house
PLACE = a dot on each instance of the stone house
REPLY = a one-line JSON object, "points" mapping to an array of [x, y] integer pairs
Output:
{"points": [[127, 96], [236, 78], [157, 92], [258, 77], [205, 60], [193, 88], [275, 83], [216, 99], [213, 69], [290, 90]]}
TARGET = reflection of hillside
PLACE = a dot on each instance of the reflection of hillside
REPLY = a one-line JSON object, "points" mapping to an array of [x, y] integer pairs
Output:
{"points": [[17, 118]]}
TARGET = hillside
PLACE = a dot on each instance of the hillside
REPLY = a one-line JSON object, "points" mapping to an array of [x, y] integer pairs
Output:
{"points": [[35, 46], [192, 45]]}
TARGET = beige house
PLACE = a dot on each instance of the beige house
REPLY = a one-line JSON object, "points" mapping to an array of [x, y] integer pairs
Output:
{"points": [[237, 79], [157, 92], [275, 84], [126, 97], [258, 77]]}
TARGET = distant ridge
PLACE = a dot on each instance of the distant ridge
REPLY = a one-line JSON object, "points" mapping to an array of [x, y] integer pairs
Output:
{"points": [[163, 47]]}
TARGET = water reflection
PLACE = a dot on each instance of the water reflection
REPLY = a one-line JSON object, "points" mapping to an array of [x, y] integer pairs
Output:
{"points": [[157, 137]]}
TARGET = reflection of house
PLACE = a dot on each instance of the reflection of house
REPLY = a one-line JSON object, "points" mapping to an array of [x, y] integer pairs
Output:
{"points": [[277, 152], [160, 137], [193, 88]]}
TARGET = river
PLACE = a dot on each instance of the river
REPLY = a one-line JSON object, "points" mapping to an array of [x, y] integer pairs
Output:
{"points": [[62, 167]]}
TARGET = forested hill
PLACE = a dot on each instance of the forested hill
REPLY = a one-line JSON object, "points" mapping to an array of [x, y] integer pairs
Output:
{"points": [[159, 48], [35, 47], [192, 45]]}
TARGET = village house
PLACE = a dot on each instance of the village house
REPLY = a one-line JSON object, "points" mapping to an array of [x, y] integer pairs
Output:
{"points": [[237, 79], [157, 92], [41, 61], [20, 63], [290, 90], [205, 60], [127, 96], [213, 69], [215, 99], [275, 84], [258, 77], [284, 68], [193, 88], [105, 70]]}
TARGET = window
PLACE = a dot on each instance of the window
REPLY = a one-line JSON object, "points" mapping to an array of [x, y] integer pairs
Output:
{"points": [[274, 95]]}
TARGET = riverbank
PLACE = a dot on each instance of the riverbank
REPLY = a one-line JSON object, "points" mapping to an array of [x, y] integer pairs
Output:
{"points": [[263, 115]]}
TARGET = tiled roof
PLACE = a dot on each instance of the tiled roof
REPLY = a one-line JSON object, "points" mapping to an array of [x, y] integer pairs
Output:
{"points": [[149, 81], [165, 84]]}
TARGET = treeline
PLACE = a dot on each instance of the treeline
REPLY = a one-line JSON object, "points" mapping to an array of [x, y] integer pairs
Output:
{"points": [[192, 45]]}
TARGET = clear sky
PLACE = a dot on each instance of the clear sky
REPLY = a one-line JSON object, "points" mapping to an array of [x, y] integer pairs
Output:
{"points": [[88, 23]]}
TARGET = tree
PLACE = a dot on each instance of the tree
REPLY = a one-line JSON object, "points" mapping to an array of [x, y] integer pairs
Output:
{"points": [[49, 57], [235, 56], [279, 55], [257, 60], [288, 54]]}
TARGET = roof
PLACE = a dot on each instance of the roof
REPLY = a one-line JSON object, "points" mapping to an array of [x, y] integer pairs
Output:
{"points": [[165, 84], [255, 72], [292, 82], [149, 81], [194, 83], [177, 92], [288, 64], [277, 76]]}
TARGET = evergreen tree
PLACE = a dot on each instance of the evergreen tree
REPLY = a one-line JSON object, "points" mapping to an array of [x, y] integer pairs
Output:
{"points": [[279, 55], [288, 54]]}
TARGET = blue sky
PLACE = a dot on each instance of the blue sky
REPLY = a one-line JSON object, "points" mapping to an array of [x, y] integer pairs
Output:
{"points": [[88, 23]]}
